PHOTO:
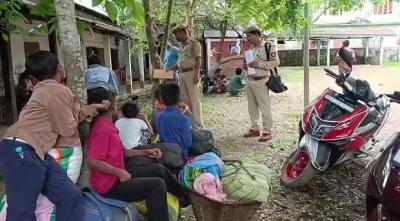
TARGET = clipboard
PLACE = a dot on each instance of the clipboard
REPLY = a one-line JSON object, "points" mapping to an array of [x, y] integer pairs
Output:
{"points": [[158, 73]]}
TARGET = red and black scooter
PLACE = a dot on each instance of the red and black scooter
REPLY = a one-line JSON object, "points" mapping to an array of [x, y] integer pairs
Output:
{"points": [[335, 128], [383, 185]]}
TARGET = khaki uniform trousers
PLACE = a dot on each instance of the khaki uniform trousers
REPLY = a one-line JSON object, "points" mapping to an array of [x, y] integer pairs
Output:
{"points": [[258, 101], [191, 94]]}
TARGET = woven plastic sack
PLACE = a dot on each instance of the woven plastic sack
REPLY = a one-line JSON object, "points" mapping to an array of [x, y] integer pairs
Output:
{"points": [[246, 180]]}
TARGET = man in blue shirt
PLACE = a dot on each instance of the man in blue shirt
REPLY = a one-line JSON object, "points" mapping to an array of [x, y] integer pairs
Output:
{"points": [[171, 58], [97, 76], [173, 126]]}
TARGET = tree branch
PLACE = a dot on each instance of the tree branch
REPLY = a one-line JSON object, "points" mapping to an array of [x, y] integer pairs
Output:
{"points": [[223, 61], [323, 12], [167, 28]]}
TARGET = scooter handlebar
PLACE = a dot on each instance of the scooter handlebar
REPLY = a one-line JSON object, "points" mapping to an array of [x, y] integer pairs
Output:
{"points": [[394, 98], [331, 73]]}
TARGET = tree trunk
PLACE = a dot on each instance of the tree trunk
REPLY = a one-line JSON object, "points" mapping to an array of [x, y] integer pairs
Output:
{"points": [[222, 30], [190, 15], [167, 28], [71, 47], [73, 64], [154, 57]]}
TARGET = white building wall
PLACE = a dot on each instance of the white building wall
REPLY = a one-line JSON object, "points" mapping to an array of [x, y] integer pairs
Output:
{"points": [[17, 46], [18, 50], [365, 13]]}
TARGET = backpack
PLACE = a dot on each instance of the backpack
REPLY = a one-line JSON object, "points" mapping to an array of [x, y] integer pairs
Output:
{"points": [[246, 180], [98, 208], [275, 83], [172, 157], [203, 142]]}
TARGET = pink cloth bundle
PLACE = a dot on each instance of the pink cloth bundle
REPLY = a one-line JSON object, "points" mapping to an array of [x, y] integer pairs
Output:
{"points": [[44, 209], [210, 186]]}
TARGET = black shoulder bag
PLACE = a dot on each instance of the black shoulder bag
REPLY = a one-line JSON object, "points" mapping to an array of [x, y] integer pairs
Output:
{"points": [[275, 83]]}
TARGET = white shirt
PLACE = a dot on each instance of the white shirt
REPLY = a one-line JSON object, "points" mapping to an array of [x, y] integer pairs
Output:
{"points": [[130, 131]]}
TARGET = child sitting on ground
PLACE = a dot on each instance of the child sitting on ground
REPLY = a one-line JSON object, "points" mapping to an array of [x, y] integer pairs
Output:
{"points": [[205, 81], [173, 126], [134, 128]]}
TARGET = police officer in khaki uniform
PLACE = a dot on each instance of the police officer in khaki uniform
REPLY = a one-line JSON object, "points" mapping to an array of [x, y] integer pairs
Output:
{"points": [[256, 88], [189, 70]]}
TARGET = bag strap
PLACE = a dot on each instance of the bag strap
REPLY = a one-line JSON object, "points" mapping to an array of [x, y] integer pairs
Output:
{"points": [[237, 168], [267, 47]]}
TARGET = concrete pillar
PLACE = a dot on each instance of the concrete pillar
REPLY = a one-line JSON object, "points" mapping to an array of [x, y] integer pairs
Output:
{"points": [[84, 53], [318, 52], [208, 41], [128, 63], [141, 66], [107, 51], [381, 52], [150, 68], [328, 52]]}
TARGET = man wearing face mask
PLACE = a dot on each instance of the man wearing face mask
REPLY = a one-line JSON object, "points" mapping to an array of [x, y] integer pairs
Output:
{"points": [[49, 119], [256, 88]]}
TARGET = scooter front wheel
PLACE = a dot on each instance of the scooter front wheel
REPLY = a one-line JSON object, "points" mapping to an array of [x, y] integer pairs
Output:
{"points": [[297, 171]]}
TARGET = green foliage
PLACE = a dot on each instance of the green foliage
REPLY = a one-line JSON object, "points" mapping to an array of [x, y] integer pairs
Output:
{"points": [[9, 13], [115, 8]]}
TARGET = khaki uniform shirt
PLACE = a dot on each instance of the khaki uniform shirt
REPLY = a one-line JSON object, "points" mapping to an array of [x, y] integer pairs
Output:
{"points": [[50, 118], [189, 51], [264, 66]]}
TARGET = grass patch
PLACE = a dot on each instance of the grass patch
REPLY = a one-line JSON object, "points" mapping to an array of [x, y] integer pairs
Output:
{"points": [[395, 64], [294, 115], [207, 103], [293, 75], [283, 143]]}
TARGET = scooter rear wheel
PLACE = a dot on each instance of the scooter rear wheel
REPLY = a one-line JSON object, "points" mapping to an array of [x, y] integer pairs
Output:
{"points": [[297, 171]]}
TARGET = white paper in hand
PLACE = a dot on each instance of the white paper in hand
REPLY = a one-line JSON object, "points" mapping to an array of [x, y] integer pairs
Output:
{"points": [[248, 55]]}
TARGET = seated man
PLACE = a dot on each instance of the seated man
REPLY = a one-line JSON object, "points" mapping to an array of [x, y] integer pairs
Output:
{"points": [[106, 162], [235, 85], [173, 126]]}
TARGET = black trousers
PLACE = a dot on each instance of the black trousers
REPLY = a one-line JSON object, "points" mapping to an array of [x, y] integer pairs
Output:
{"points": [[150, 189], [90, 91], [158, 170]]}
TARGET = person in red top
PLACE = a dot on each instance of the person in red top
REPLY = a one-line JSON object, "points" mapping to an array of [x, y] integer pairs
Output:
{"points": [[106, 162]]}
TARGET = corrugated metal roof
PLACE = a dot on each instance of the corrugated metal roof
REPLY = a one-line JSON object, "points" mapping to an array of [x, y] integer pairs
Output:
{"points": [[102, 25], [217, 33], [351, 32]]}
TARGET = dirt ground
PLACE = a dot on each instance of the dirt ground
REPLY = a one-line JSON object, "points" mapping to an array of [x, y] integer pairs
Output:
{"points": [[333, 195]]}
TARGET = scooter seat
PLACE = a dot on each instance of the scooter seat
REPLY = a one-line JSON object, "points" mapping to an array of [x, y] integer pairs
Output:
{"points": [[374, 112]]}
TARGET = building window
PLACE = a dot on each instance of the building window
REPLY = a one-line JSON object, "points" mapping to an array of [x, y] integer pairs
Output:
{"points": [[97, 51], [31, 47], [386, 8]]}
